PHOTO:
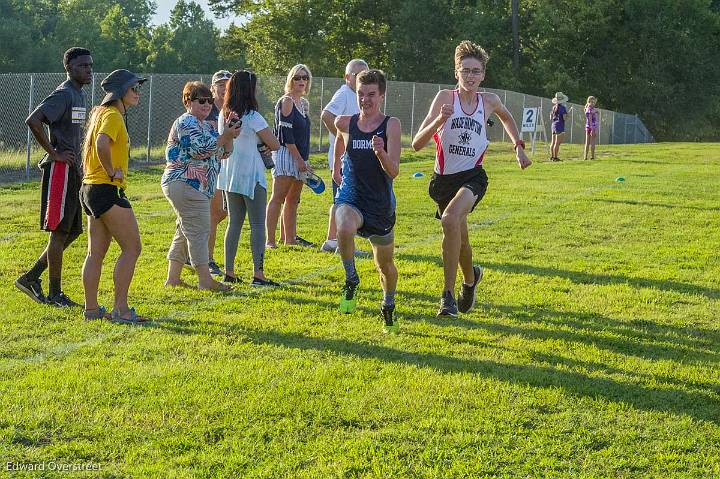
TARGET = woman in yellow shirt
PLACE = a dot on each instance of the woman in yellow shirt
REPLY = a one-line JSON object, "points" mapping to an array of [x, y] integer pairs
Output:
{"points": [[106, 153]]}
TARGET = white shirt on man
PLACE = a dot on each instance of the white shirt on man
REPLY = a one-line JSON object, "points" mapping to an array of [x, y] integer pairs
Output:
{"points": [[343, 102]]}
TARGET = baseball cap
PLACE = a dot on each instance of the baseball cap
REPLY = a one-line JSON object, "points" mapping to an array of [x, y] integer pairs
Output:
{"points": [[314, 182], [220, 76]]}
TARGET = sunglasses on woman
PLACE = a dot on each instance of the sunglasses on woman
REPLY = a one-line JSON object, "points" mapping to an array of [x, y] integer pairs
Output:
{"points": [[136, 88], [301, 77], [204, 101]]}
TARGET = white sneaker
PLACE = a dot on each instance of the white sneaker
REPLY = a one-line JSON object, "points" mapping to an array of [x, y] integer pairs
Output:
{"points": [[358, 253], [329, 246]]}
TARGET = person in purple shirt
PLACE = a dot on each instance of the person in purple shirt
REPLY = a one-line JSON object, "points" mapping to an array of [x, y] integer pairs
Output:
{"points": [[591, 127], [558, 114]]}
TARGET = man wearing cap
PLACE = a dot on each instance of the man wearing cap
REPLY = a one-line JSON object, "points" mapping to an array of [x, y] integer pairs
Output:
{"points": [[60, 213], [217, 209], [343, 102]]}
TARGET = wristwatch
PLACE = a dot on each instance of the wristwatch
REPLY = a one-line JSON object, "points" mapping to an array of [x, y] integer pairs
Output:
{"points": [[519, 143]]}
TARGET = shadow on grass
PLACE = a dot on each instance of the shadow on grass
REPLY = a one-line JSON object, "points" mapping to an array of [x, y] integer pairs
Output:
{"points": [[657, 205], [697, 404], [644, 162], [700, 402], [640, 338], [554, 360], [637, 337], [9, 175], [582, 277]]}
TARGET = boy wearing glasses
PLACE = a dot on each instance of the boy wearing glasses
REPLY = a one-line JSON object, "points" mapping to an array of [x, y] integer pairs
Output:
{"points": [[60, 212], [456, 121]]}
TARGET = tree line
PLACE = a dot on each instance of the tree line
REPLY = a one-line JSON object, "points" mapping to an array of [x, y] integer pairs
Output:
{"points": [[656, 58]]}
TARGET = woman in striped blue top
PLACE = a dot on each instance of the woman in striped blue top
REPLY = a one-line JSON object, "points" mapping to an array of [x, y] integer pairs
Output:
{"points": [[292, 129]]}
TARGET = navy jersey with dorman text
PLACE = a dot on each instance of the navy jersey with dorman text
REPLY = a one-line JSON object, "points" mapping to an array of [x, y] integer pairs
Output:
{"points": [[365, 184]]}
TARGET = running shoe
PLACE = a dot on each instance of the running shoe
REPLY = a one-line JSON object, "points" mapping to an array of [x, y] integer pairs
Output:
{"points": [[214, 268], [62, 301], [304, 243], [348, 302], [263, 282], [31, 288], [466, 298], [329, 246], [358, 253], [448, 306], [390, 323]]}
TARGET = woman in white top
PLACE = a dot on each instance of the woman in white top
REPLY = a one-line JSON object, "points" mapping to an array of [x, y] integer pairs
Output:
{"points": [[242, 175]]}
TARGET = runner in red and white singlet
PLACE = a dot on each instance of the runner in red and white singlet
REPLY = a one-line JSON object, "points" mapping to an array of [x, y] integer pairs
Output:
{"points": [[462, 140], [456, 121]]}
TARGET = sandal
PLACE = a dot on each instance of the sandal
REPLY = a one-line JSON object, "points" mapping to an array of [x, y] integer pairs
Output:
{"points": [[133, 319], [99, 313]]}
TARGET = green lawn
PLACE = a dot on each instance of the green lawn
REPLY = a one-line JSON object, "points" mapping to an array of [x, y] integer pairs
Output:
{"points": [[594, 350]]}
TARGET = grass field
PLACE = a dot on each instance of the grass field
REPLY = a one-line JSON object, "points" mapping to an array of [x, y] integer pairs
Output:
{"points": [[593, 352]]}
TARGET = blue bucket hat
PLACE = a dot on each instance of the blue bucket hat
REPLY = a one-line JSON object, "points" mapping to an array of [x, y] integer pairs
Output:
{"points": [[117, 84]]}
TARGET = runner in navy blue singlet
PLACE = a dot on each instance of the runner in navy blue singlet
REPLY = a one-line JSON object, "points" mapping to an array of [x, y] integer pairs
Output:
{"points": [[368, 145], [365, 185]]}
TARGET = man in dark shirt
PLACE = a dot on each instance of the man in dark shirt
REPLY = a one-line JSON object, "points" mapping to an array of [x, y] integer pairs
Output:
{"points": [[64, 112], [220, 80], [219, 85]]}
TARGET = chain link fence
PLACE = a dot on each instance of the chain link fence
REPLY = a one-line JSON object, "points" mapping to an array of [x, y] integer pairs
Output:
{"points": [[161, 104]]}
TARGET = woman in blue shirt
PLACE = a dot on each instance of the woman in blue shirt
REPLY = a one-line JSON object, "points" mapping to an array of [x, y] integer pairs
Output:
{"points": [[242, 175], [292, 129]]}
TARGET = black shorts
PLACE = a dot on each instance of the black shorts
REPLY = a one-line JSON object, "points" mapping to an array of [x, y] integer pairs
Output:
{"points": [[373, 225], [97, 200], [59, 200], [443, 188], [380, 226]]}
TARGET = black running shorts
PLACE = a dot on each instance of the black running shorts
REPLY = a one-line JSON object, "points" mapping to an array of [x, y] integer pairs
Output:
{"points": [[97, 200], [443, 188]]}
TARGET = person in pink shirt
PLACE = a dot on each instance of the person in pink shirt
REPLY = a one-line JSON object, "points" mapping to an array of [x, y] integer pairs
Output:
{"points": [[591, 127]]}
